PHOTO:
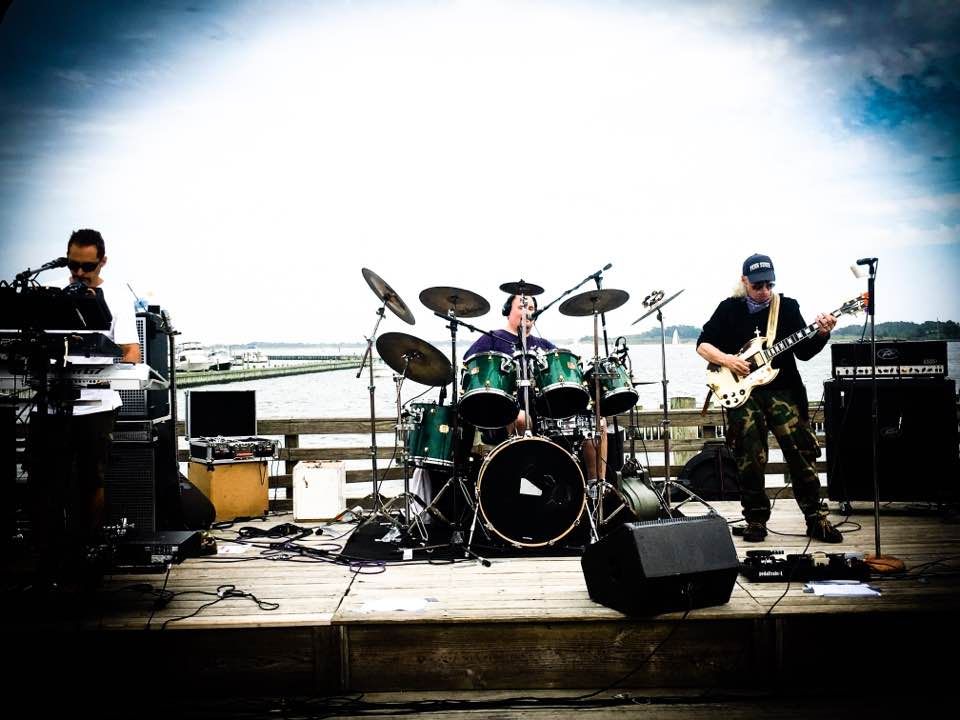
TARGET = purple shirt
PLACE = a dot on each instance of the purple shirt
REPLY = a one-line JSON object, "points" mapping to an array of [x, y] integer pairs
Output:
{"points": [[507, 343]]}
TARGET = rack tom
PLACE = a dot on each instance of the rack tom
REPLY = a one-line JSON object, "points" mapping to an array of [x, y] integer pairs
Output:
{"points": [[617, 394], [488, 397], [559, 378]]}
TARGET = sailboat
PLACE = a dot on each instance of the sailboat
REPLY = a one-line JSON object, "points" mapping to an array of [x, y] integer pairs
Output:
{"points": [[676, 337]]}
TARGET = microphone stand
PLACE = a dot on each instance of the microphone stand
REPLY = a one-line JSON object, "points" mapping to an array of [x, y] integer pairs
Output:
{"points": [[588, 278], [884, 563]]}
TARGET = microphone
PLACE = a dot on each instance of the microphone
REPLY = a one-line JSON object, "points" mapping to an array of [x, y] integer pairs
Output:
{"points": [[866, 261], [57, 263], [598, 273]]}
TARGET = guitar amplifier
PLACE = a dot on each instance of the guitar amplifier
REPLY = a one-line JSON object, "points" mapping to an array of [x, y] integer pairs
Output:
{"points": [[895, 358], [222, 450]]}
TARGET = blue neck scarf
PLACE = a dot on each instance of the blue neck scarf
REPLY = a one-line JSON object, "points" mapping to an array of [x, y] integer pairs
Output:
{"points": [[754, 307]]}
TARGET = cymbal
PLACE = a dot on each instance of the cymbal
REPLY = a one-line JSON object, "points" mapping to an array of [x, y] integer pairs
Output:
{"points": [[386, 293], [586, 303], [464, 303], [422, 362], [528, 288]]}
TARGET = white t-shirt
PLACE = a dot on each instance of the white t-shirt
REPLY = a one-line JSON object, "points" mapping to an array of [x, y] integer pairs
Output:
{"points": [[123, 331]]}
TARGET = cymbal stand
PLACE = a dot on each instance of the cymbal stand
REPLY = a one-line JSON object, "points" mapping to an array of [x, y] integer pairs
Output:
{"points": [[378, 509], [400, 440], [457, 476], [595, 493], [668, 482]]}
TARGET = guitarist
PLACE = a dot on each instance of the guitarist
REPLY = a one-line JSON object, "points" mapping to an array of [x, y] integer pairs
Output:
{"points": [[780, 406]]}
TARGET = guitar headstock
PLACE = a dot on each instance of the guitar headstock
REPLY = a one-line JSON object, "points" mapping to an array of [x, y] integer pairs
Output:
{"points": [[856, 304]]}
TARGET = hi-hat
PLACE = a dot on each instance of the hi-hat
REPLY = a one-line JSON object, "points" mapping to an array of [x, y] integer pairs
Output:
{"points": [[418, 359], [521, 287], [386, 293], [465, 304], [587, 303]]}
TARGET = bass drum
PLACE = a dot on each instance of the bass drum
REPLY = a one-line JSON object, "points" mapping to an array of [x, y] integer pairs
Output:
{"points": [[531, 492]]}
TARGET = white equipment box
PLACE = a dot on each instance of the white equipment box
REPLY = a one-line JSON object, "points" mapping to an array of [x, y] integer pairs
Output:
{"points": [[318, 490]]}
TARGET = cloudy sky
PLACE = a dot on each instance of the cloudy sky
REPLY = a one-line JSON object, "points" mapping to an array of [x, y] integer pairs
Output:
{"points": [[246, 159]]}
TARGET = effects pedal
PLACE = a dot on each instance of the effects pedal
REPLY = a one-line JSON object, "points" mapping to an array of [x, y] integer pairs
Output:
{"points": [[773, 566]]}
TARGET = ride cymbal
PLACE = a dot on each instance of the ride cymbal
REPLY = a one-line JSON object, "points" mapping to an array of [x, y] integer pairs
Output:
{"points": [[587, 303], [465, 304], [418, 359], [387, 295]]}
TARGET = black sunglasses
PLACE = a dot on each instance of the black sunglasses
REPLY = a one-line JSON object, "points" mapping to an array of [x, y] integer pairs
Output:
{"points": [[761, 285], [85, 266]]}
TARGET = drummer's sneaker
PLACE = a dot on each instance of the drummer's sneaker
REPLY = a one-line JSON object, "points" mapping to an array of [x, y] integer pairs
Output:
{"points": [[756, 531]]}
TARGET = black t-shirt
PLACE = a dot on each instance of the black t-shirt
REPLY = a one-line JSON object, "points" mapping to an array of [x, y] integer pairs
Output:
{"points": [[731, 326]]}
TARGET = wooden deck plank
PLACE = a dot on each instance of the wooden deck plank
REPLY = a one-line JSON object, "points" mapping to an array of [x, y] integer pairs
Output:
{"points": [[525, 621]]}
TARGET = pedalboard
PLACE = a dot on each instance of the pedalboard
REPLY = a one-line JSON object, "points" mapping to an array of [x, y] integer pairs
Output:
{"points": [[774, 566]]}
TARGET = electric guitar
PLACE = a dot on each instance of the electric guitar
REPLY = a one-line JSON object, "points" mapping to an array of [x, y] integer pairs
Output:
{"points": [[733, 390]]}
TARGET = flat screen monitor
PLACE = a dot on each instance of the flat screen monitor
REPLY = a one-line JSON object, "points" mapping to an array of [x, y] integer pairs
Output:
{"points": [[221, 413]]}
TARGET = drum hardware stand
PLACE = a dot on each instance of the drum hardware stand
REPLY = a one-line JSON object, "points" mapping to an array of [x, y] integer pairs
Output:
{"points": [[457, 475], [378, 508], [655, 302], [400, 440]]}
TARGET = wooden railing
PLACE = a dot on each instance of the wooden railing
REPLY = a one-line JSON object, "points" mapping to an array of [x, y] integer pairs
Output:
{"points": [[690, 430]]}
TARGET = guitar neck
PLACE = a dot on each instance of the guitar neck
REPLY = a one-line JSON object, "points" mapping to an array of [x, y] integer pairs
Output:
{"points": [[797, 337]]}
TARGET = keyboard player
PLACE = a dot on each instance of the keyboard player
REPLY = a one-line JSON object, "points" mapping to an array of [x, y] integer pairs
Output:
{"points": [[70, 449]]}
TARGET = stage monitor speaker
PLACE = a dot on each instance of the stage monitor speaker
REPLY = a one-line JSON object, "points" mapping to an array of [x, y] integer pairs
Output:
{"points": [[674, 564], [130, 485], [155, 352], [916, 443]]}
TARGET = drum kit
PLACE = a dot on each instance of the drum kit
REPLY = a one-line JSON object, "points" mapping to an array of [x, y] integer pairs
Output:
{"points": [[532, 489]]}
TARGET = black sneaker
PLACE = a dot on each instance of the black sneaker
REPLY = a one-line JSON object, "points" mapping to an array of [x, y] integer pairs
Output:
{"points": [[819, 528], [756, 531]]}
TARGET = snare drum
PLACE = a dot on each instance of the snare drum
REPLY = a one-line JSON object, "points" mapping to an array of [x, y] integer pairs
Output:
{"points": [[531, 491], [617, 395], [488, 397], [559, 379], [430, 435]]}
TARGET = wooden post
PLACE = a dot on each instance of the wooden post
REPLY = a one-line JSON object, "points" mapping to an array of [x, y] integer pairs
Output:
{"points": [[290, 441], [682, 402]]}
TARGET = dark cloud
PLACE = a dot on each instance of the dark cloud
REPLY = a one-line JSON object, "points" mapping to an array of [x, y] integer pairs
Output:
{"points": [[894, 65]]}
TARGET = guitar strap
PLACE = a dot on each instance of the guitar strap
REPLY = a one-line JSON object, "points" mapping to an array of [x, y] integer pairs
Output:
{"points": [[772, 319]]}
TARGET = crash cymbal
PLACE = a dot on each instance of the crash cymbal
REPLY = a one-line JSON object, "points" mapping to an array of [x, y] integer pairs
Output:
{"points": [[422, 362], [587, 303], [464, 303], [386, 293], [527, 288]]}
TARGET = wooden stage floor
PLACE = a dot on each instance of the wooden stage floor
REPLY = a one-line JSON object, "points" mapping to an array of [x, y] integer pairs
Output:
{"points": [[250, 621]]}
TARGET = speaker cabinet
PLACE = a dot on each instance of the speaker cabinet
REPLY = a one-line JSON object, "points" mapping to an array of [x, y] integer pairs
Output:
{"points": [[155, 352], [130, 484], [916, 439], [674, 564]]}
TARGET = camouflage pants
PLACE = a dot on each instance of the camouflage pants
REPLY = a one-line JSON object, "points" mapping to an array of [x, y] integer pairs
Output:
{"points": [[747, 429]]}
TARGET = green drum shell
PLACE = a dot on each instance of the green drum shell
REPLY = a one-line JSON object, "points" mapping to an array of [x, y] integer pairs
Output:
{"points": [[560, 385], [488, 397], [430, 441], [617, 394]]}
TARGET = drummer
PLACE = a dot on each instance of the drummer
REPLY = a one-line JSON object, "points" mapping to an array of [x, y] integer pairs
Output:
{"points": [[507, 341]]}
